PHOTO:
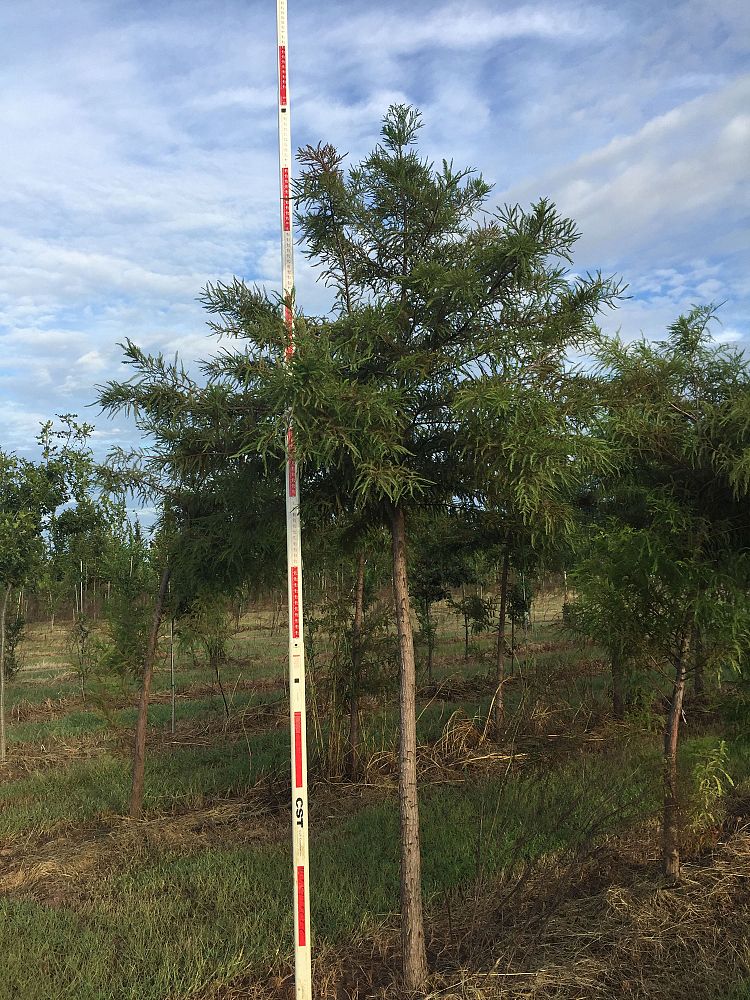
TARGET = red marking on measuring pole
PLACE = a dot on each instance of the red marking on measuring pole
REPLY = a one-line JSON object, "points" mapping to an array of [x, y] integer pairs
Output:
{"points": [[298, 749], [285, 199], [282, 75], [295, 602], [301, 929], [292, 464]]}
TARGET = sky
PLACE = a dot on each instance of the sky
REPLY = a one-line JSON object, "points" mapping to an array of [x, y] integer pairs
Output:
{"points": [[138, 157]]}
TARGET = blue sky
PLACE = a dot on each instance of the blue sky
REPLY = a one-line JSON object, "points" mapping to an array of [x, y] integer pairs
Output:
{"points": [[139, 156]]}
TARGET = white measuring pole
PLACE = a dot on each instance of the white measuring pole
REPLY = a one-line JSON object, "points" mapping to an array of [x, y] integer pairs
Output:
{"points": [[297, 712]]}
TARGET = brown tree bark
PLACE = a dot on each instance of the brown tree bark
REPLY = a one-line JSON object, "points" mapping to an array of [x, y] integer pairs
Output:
{"points": [[412, 920], [3, 612], [499, 708], [359, 614], [139, 747], [671, 818]]}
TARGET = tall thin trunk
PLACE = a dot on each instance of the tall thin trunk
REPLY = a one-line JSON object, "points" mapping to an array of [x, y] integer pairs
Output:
{"points": [[139, 748], [430, 642], [466, 622], [215, 661], [412, 921], [359, 614], [699, 663], [499, 696], [171, 670], [670, 824], [3, 612], [618, 684]]}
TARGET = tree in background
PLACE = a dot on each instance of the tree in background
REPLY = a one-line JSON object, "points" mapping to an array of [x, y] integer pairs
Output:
{"points": [[30, 493], [668, 560], [215, 526]]}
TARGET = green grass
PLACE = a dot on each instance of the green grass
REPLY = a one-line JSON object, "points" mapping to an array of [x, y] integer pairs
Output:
{"points": [[77, 793], [77, 723], [186, 776], [164, 923], [740, 992]]}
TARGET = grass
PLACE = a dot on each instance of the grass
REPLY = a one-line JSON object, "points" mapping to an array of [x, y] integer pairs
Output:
{"points": [[235, 900], [181, 778], [198, 896], [78, 793]]}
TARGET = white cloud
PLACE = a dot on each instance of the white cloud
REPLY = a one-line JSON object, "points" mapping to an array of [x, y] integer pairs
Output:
{"points": [[468, 26], [139, 153], [255, 98], [728, 336], [672, 188]]}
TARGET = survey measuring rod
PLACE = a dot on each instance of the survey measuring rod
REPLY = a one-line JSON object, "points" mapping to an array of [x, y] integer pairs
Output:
{"points": [[297, 712]]}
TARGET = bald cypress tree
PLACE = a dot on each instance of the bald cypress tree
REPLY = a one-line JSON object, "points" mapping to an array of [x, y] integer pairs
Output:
{"points": [[431, 294]]}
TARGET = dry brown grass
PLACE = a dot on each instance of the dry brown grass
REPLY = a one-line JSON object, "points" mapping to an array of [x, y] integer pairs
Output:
{"points": [[463, 746], [611, 928], [606, 927], [57, 867], [44, 711], [27, 758]]}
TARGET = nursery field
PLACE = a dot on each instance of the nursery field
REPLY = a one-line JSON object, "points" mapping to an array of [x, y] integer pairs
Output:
{"points": [[541, 855]]}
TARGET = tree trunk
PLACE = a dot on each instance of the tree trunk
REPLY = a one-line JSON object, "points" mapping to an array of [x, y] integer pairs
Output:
{"points": [[3, 612], [171, 670], [499, 697], [215, 663], [412, 921], [359, 614], [139, 748], [466, 623], [670, 825], [618, 685], [430, 643], [699, 662]]}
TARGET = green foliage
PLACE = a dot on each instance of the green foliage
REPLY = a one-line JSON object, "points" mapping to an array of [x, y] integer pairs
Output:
{"points": [[126, 563], [88, 651], [331, 663], [712, 781], [15, 626], [205, 628], [220, 517], [666, 552], [391, 395]]}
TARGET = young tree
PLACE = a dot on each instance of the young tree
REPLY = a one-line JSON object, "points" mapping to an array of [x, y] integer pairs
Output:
{"points": [[422, 287], [30, 493], [21, 509], [668, 559], [215, 527]]}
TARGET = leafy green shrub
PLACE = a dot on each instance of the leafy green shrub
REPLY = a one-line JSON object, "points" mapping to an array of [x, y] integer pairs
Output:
{"points": [[712, 781]]}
